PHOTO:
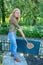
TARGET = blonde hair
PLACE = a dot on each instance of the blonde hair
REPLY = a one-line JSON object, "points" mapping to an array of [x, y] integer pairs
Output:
{"points": [[16, 9]]}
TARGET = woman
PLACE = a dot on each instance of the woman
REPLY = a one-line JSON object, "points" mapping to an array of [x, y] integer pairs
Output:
{"points": [[14, 19]]}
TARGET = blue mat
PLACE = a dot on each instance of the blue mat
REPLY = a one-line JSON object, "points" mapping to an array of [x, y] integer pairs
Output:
{"points": [[23, 48]]}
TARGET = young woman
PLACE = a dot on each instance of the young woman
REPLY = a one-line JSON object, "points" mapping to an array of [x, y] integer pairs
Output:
{"points": [[13, 21]]}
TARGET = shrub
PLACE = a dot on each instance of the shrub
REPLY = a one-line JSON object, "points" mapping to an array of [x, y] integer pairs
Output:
{"points": [[29, 31]]}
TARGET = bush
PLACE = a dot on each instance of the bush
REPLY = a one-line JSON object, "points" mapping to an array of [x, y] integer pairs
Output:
{"points": [[4, 28], [29, 31], [39, 21], [32, 32]]}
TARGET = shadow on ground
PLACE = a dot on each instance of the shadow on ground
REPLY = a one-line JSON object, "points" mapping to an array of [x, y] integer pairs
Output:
{"points": [[33, 60]]}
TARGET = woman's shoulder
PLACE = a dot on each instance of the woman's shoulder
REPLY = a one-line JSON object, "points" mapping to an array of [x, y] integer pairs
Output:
{"points": [[12, 20]]}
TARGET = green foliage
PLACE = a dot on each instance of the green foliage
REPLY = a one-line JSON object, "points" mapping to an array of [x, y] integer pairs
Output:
{"points": [[32, 31], [39, 21], [29, 31], [0, 58], [29, 9], [4, 28]]}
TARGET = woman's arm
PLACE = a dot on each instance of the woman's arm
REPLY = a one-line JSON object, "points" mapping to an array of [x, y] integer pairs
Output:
{"points": [[29, 45], [20, 30]]}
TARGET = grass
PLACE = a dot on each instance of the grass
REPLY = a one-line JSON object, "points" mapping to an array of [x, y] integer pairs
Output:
{"points": [[0, 64], [0, 59]]}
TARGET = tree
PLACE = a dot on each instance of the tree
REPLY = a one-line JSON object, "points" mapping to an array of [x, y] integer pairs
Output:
{"points": [[29, 10], [35, 10], [3, 10]]}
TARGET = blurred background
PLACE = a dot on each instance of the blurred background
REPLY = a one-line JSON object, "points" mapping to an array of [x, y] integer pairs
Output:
{"points": [[31, 20]]}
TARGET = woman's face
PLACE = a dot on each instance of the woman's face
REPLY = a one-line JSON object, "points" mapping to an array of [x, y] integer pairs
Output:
{"points": [[17, 14]]}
